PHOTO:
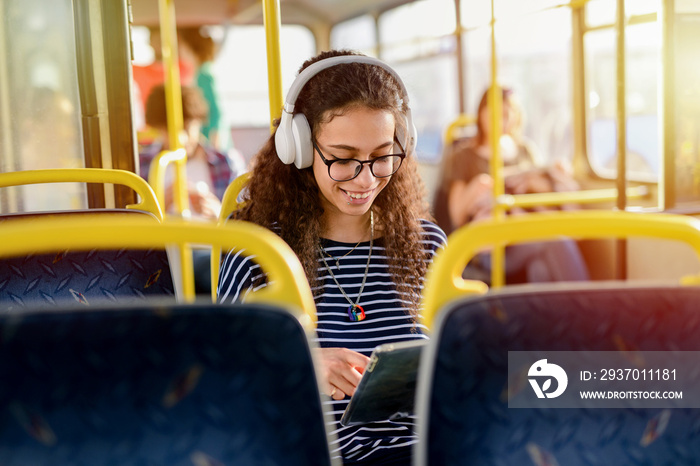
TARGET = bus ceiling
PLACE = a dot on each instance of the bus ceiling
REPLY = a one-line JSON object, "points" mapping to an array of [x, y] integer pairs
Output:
{"points": [[305, 12]]}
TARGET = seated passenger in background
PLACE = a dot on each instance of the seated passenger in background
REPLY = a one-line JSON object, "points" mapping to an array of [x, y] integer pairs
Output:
{"points": [[209, 172], [466, 195], [353, 213]]}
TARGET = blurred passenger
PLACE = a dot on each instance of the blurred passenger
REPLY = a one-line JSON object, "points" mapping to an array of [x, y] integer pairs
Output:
{"points": [[149, 76], [200, 49], [209, 172], [466, 195]]}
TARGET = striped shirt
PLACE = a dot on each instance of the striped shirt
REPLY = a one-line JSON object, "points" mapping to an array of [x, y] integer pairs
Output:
{"points": [[387, 321]]}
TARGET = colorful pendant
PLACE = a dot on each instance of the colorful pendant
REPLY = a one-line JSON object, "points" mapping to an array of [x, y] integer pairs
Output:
{"points": [[354, 315]]}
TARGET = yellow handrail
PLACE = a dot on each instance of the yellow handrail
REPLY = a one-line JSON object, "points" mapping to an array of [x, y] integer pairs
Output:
{"points": [[287, 285], [587, 196], [149, 201], [444, 280], [156, 175], [495, 104], [173, 96], [461, 121], [228, 205], [156, 178]]}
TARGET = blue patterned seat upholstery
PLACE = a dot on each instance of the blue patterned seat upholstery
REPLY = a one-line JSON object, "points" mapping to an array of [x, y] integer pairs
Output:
{"points": [[465, 415], [83, 277], [185, 385]]}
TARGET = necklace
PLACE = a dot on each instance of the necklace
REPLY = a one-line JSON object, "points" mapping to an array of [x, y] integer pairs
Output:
{"points": [[337, 259], [356, 312]]}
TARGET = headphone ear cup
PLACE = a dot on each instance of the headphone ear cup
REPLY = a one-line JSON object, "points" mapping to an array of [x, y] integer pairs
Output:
{"points": [[303, 147], [409, 136], [284, 139]]}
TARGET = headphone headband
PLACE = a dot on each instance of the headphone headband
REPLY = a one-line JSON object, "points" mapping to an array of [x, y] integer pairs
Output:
{"points": [[315, 68], [293, 136]]}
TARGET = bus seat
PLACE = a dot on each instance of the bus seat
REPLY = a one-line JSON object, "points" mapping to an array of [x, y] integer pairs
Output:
{"points": [[444, 281], [461, 404], [463, 392], [61, 276], [147, 203], [83, 277], [179, 385], [287, 287]]}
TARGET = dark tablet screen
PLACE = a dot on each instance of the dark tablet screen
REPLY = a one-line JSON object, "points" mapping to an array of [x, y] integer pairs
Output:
{"points": [[387, 388]]}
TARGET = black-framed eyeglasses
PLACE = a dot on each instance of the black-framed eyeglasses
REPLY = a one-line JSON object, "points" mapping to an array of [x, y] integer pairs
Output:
{"points": [[347, 169]]}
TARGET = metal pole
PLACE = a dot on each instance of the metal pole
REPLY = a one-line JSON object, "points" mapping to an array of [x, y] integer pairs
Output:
{"points": [[271, 18], [173, 105], [621, 134], [495, 105], [460, 59]]}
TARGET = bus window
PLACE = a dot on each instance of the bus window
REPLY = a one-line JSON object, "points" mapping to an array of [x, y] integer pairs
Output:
{"points": [[422, 52], [600, 12], [357, 34], [432, 84], [535, 60], [244, 88], [404, 32], [683, 179], [474, 14], [40, 111], [643, 58], [642, 7], [241, 73], [477, 59], [512, 8]]}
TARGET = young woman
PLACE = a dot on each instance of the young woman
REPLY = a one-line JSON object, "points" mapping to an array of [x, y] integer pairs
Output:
{"points": [[351, 207]]}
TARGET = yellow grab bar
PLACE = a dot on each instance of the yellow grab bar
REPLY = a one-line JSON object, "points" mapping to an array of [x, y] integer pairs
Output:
{"points": [[287, 285], [230, 201], [228, 205], [462, 121], [156, 177], [271, 18], [586, 196], [173, 100], [148, 201], [444, 280]]}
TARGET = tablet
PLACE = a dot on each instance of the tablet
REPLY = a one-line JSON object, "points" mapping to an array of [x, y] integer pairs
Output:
{"points": [[387, 388]]}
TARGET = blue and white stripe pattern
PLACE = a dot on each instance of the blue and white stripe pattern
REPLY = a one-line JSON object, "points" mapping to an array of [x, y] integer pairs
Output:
{"points": [[387, 321]]}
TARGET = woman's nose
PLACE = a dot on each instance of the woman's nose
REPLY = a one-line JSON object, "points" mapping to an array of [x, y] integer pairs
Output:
{"points": [[365, 178]]}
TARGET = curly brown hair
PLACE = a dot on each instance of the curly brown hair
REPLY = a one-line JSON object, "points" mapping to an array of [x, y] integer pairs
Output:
{"points": [[287, 199]]}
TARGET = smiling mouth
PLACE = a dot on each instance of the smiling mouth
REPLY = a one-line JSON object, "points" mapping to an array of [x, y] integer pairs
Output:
{"points": [[358, 196]]}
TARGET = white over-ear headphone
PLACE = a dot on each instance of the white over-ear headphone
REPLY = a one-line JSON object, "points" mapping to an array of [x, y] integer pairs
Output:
{"points": [[293, 137]]}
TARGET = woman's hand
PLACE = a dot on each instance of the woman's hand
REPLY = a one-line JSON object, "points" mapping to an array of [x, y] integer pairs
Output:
{"points": [[341, 371]]}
